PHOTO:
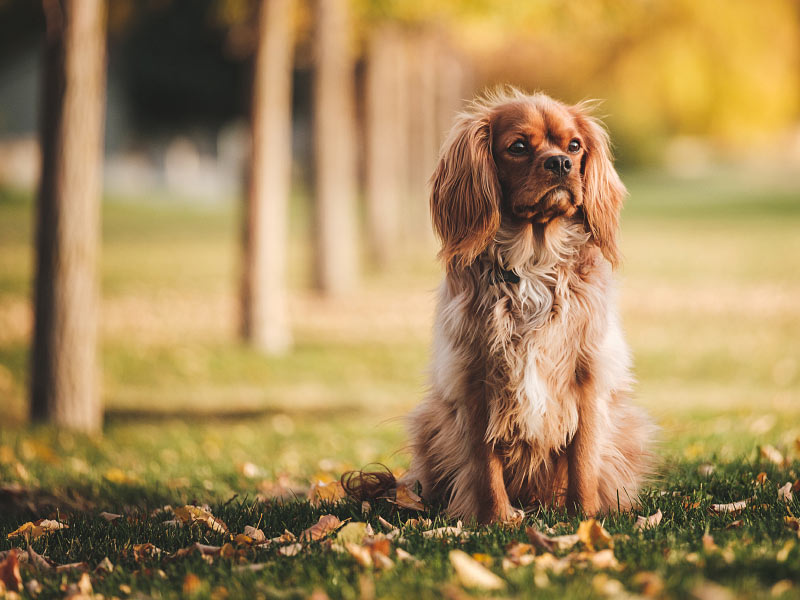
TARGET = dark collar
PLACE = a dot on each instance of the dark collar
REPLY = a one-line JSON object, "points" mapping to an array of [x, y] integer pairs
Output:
{"points": [[504, 276]]}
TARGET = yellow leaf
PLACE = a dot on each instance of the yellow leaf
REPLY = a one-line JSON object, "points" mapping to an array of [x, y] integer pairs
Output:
{"points": [[327, 524], [472, 574], [352, 533], [326, 492], [256, 535], [594, 537]]}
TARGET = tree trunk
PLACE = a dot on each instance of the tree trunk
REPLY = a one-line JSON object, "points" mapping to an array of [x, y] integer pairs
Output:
{"points": [[64, 382], [336, 254], [386, 142], [424, 144], [265, 319]]}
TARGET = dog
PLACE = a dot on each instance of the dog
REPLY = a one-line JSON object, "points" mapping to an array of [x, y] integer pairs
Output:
{"points": [[530, 376]]}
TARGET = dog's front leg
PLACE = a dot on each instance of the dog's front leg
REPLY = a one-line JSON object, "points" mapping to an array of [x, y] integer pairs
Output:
{"points": [[583, 461]]}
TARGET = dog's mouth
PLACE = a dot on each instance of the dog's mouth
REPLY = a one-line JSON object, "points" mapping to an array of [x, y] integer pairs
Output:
{"points": [[555, 202]]}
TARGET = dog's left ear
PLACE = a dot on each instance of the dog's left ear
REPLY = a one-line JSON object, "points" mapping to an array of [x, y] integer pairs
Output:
{"points": [[603, 191]]}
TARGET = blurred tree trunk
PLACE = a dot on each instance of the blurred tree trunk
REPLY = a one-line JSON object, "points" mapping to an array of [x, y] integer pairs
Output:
{"points": [[424, 142], [336, 255], [64, 380], [265, 319], [387, 148]]}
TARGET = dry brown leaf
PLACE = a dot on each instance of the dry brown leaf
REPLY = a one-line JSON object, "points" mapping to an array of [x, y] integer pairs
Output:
{"points": [[406, 498], [593, 536], [37, 560], [190, 514], [327, 524], [604, 559], [734, 524], [76, 566], [472, 574], [772, 454], [761, 478], [785, 492], [285, 538], [551, 543], [648, 522], [731, 508], [33, 587], [326, 492], [254, 534], [9, 572], [792, 523], [518, 554], [104, 566], [146, 550], [709, 545], [36, 529], [549, 562], [382, 561]]}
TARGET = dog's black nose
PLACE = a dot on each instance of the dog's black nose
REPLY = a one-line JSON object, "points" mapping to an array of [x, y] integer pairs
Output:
{"points": [[560, 165]]}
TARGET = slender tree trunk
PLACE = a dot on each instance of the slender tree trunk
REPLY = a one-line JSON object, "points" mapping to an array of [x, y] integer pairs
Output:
{"points": [[336, 254], [265, 320], [424, 143], [386, 142], [64, 385]]}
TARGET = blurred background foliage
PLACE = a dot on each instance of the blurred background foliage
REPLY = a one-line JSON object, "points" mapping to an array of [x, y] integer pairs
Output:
{"points": [[703, 103]]}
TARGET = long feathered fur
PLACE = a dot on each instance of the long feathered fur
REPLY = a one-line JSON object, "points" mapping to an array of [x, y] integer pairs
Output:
{"points": [[530, 380]]}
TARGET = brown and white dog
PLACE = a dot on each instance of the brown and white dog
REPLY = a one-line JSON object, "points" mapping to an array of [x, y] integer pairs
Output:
{"points": [[530, 380]]}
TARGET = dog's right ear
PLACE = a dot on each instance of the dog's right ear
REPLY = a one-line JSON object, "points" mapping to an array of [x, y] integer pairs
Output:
{"points": [[465, 192]]}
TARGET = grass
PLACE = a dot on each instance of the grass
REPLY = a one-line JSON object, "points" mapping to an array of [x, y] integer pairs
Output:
{"points": [[709, 292]]}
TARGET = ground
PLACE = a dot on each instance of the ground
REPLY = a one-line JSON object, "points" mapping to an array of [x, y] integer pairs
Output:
{"points": [[710, 290]]}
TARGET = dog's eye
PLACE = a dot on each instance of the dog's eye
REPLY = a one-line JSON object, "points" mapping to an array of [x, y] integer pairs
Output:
{"points": [[574, 146], [517, 148]]}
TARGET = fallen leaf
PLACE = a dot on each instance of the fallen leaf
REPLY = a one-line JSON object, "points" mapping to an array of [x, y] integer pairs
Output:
{"points": [[472, 574], [607, 586], [326, 525], [648, 522], [9, 572], [761, 478], [780, 588], [36, 529], [711, 591], [518, 554], [734, 524], [604, 559], [365, 508], [440, 532], [146, 550], [33, 587], [353, 532], [110, 516], [37, 560], [190, 514], [286, 537], [360, 553], [192, 585], [772, 454], [104, 566], [594, 537], [254, 534], [551, 543], [291, 549], [731, 508], [709, 545], [404, 497], [405, 556], [326, 492], [649, 584], [785, 492], [76, 566], [792, 523]]}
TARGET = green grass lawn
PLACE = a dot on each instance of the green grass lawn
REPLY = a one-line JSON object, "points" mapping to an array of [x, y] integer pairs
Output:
{"points": [[710, 293]]}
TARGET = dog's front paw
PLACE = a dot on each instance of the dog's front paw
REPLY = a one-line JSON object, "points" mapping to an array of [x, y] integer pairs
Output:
{"points": [[510, 515]]}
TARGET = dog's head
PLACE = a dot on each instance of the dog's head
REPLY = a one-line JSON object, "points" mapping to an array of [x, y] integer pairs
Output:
{"points": [[528, 158]]}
